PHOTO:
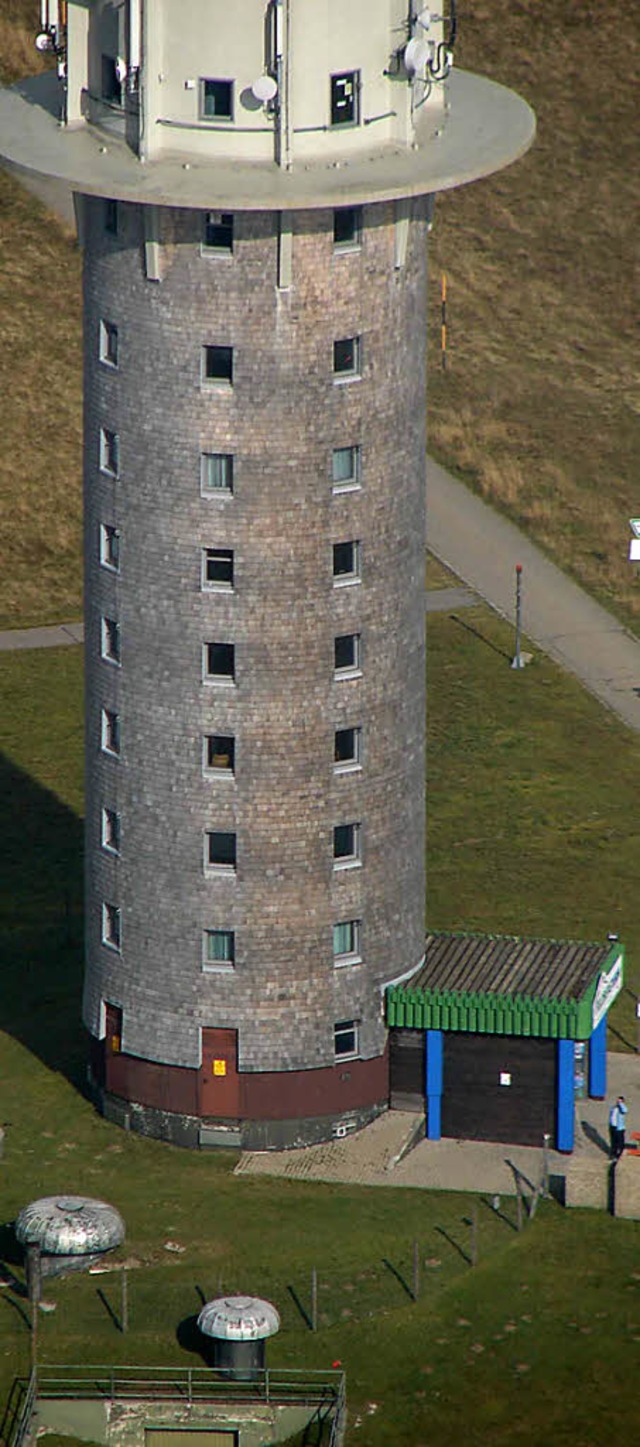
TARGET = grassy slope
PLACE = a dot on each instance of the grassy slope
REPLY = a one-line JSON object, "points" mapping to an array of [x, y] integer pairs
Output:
{"points": [[511, 1353], [539, 406]]}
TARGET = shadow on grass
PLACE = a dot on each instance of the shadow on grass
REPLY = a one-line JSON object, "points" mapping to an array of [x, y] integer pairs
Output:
{"points": [[41, 922], [190, 1339], [466, 1256], [399, 1277], [469, 628], [497, 1211], [306, 1317]]}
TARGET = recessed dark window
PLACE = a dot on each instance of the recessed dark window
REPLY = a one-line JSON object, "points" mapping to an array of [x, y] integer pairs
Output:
{"points": [[345, 98], [220, 850], [346, 357], [347, 227], [219, 752], [346, 561], [111, 926], [346, 941], [347, 747], [347, 652], [345, 1035], [218, 231], [110, 732], [216, 472], [110, 640], [111, 217], [111, 85], [217, 364], [108, 343], [217, 568], [216, 100], [219, 949], [111, 831], [110, 547], [219, 660], [109, 452], [346, 843]]}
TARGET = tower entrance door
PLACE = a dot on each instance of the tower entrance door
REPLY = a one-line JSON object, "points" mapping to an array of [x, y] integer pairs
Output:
{"points": [[219, 1094]]}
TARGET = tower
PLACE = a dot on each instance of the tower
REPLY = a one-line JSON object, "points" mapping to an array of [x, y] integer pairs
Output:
{"points": [[254, 185]]}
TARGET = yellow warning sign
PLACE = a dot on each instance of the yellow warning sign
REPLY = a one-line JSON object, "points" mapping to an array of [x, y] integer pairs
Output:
{"points": [[219, 1067]]}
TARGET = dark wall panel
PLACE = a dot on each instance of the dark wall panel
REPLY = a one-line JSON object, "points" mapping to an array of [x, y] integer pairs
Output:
{"points": [[475, 1106]]}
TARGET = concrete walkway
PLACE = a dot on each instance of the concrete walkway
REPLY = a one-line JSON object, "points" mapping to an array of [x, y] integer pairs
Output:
{"points": [[56, 637], [482, 548]]}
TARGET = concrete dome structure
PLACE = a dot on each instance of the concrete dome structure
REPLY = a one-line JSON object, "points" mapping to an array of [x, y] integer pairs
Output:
{"points": [[254, 191]]}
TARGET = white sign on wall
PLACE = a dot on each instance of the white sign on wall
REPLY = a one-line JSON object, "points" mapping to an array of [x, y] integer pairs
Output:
{"points": [[609, 985]]}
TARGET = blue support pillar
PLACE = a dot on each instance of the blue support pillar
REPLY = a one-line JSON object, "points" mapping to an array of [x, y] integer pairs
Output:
{"points": [[434, 1053], [598, 1061], [564, 1102]]}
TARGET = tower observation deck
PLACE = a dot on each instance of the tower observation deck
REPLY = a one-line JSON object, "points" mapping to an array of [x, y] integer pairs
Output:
{"points": [[254, 185]]}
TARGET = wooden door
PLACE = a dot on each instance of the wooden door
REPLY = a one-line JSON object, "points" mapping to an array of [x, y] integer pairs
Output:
{"points": [[219, 1079]]}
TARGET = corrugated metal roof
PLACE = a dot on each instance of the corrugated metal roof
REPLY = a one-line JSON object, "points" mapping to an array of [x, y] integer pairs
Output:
{"points": [[508, 965]]}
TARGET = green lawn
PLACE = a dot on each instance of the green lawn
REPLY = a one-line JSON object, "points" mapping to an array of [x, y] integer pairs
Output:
{"points": [[529, 830]]}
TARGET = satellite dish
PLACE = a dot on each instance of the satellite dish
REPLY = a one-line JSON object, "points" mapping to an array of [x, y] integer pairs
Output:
{"points": [[44, 41], [264, 88], [416, 55], [120, 70]]}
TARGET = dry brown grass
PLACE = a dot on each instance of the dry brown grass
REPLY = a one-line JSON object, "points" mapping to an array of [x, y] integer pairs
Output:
{"points": [[538, 409]]}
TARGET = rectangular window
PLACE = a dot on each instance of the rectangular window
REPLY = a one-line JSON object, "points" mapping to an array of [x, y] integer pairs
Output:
{"points": [[220, 851], [217, 365], [218, 231], [110, 547], [111, 83], [110, 831], [347, 358], [219, 753], [108, 343], [346, 563], [109, 452], [110, 640], [347, 749], [346, 846], [110, 216], [347, 654], [216, 100], [345, 98], [109, 732], [217, 568], [220, 662], [345, 468], [216, 472], [111, 927], [345, 1035], [219, 949], [346, 942], [347, 228]]}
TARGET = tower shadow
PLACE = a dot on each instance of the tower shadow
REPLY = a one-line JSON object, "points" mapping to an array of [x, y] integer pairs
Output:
{"points": [[41, 911]]}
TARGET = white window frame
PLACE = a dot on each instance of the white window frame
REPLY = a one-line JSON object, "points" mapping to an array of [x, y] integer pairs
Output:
{"points": [[353, 1027], [224, 383], [353, 765], [218, 967], [216, 587], [209, 769], [225, 869], [353, 860], [348, 957], [227, 490], [112, 927], [353, 482], [110, 826], [217, 680], [108, 332], [348, 580], [353, 670], [108, 719], [109, 452], [351, 374], [107, 639], [109, 534]]}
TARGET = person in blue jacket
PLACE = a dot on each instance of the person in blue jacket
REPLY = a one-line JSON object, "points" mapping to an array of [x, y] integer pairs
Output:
{"points": [[617, 1118]]}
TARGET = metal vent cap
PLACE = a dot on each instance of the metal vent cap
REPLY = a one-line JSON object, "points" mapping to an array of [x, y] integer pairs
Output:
{"points": [[239, 1318], [70, 1225]]}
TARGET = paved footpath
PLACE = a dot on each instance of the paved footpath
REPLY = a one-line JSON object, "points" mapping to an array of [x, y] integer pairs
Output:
{"points": [[482, 548]]}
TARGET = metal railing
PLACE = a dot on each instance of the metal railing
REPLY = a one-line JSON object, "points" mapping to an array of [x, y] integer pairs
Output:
{"points": [[323, 1392]]}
